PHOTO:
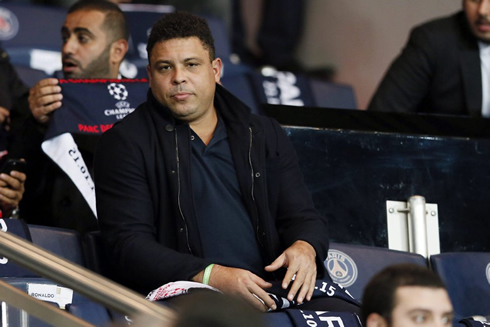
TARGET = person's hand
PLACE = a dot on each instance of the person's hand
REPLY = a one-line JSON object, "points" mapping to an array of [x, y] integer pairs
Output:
{"points": [[11, 191], [299, 259], [44, 98], [5, 118], [242, 283]]}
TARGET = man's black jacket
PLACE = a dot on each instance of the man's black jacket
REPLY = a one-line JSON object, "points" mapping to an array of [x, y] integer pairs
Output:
{"points": [[145, 202]]}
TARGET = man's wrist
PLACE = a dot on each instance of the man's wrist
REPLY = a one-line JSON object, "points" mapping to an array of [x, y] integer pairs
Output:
{"points": [[207, 274]]}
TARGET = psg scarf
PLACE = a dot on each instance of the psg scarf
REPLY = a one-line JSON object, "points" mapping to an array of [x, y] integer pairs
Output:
{"points": [[297, 316], [90, 107]]}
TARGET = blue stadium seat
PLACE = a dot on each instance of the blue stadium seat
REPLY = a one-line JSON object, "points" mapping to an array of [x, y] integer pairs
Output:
{"points": [[353, 266], [77, 304], [467, 279], [332, 95], [62, 242], [91, 312], [26, 36], [239, 85]]}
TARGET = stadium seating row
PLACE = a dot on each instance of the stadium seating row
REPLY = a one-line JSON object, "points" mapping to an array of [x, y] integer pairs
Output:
{"points": [[467, 275]]}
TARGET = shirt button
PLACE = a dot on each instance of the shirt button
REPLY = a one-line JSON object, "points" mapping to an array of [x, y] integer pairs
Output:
{"points": [[257, 175], [169, 128], [172, 171], [192, 137], [181, 229]]}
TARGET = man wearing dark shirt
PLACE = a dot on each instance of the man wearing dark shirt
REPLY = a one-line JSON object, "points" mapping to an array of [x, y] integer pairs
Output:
{"points": [[192, 186]]}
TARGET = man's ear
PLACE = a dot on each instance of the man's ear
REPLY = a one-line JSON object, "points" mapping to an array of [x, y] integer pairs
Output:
{"points": [[217, 69], [118, 51], [376, 320]]}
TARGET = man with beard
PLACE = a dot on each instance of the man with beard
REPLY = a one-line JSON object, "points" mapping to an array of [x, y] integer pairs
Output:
{"points": [[444, 68], [94, 44]]}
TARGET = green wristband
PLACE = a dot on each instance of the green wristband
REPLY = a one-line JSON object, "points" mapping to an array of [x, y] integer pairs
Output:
{"points": [[207, 274]]}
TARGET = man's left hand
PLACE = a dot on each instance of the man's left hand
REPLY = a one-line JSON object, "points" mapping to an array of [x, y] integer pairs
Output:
{"points": [[299, 259]]}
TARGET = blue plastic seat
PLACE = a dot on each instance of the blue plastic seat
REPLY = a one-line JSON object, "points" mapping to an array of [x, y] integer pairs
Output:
{"points": [[353, 266], [467, 279]]}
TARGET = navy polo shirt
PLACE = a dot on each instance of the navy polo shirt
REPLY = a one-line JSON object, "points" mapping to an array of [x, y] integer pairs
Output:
{"points": [[226, 231]]}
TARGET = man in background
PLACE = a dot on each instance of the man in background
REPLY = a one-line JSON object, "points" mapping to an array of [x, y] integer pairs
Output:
{"points": [[406, 295], [95, 41], [444, 68]]}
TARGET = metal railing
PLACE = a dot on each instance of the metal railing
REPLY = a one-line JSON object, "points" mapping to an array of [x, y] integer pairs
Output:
{"points": [[81, 280]]}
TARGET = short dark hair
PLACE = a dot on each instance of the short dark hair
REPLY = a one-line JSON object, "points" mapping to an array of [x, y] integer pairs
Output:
{"points": [[115, 24], [181, 24], [379, 293]]}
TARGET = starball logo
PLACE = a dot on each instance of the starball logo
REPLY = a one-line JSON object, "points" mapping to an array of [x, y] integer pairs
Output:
{"points": [[341, 268], [123, 108]]}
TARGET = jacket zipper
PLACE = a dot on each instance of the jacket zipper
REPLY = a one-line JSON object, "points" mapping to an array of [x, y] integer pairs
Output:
{"points": [[178, 191], [253, 184]]}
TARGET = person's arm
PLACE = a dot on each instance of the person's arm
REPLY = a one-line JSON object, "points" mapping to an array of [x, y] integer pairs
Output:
{"points": [[302, 230], [241, 283], [128, 216], [11, 191], [408, 79]]}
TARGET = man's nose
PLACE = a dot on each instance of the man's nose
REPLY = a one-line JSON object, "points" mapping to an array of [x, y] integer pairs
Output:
{"points": [[69, 46], [179, 76], [484, 8]]}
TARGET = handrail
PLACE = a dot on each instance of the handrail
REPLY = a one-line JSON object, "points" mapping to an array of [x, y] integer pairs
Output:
{"points": [[38, 308], [81, 280]]}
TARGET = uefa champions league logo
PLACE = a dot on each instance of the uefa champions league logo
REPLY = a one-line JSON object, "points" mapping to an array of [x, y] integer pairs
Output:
{"points": [[9, 25], [118, 91], [341, 268]]}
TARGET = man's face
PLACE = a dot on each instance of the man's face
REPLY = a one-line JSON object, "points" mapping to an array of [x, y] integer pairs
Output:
{"points": [[183, 77], [478, 15], [421, 306], [86, 49]]}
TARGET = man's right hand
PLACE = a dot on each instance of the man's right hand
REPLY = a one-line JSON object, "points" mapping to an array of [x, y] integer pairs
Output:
{"points": [[44, 98], [242, 283]]}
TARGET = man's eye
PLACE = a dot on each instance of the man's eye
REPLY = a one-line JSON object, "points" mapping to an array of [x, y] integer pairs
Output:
{"points": [[83, 38], [192, 64], [447, 320], [419, 319], [164, 68]]}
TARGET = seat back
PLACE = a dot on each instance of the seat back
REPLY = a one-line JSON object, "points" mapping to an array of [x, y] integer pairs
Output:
{"points": [[352, 266], [62, 242], [332, 95], [467, 279], [7, 267]]}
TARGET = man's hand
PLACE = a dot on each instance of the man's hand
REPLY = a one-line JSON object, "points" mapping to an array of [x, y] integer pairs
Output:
{"points": [[299, 259], [5, 118], [242, 283], [44, 98], [11, 191]]}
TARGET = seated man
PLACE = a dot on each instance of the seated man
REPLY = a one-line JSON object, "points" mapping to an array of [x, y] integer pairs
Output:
{"points": [[94, 44], [192, 186], [444, 68], [406, 295]]}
